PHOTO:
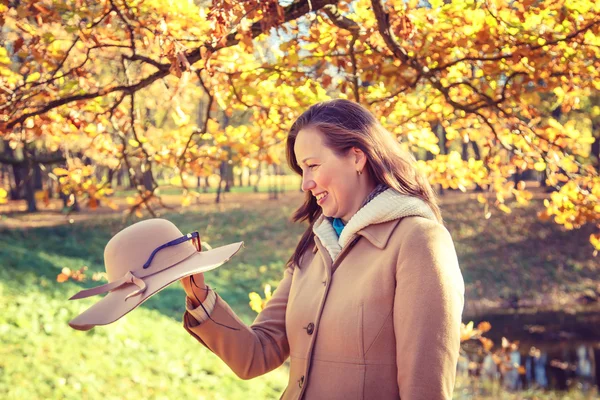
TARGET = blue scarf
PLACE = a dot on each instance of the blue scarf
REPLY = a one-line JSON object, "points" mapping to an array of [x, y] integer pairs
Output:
{"points": [[338, 225]]}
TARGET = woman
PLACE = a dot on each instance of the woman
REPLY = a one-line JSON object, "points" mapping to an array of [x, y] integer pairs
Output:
{"points": [[371, 300]]}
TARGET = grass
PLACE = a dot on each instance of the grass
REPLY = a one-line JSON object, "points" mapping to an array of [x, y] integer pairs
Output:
{"points": [[474, 388], [148, 354], [42, 357]]}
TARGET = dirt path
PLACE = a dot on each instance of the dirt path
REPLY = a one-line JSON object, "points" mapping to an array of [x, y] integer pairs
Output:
{"points": [[13, 214]]}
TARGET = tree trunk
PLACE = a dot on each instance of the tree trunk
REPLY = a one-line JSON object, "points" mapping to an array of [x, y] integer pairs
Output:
{"points": [[148, 180], [50, 187], [258, 176], [5, 176], [240, 181], [120, 174], [596, 148], [29, 185], [37, 177], [29, 182], [273, 190], [441, 134], [19, 175], [222, 171]]}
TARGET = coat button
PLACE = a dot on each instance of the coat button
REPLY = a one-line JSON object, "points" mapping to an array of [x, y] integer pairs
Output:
{"points": [[310, 328], [301, 382]]}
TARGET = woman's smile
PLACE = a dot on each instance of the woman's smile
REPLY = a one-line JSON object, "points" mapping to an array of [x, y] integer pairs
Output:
{"points": [[321, 197]]}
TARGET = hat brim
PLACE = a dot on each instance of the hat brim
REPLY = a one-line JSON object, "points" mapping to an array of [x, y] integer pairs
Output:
{"points": [[114, 305]]}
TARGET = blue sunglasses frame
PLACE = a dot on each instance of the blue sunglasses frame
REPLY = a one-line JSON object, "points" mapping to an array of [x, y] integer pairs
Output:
{"points": [[194, 237]]}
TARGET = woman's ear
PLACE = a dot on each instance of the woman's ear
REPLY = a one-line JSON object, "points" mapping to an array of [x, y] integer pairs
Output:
{"points": [[360, 158]]}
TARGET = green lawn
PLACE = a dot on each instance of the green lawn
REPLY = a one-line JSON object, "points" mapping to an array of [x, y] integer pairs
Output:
{"points": [[148, 354]]}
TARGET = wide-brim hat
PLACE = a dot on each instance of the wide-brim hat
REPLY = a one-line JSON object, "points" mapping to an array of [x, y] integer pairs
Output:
{"points": [[140, 261]]}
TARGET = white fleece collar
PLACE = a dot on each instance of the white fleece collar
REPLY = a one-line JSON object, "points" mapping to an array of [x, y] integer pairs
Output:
{"points": [[387, 206]]}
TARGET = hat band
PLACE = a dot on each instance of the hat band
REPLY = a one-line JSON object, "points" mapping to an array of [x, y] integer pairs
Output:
{"points": [[128, 278]]}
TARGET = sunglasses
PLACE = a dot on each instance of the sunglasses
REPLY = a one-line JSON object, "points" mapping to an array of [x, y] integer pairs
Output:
{"points": [[194, 237]]}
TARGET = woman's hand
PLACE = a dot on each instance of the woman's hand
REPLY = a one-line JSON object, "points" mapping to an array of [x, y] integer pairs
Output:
{"points": [[195, 288]]}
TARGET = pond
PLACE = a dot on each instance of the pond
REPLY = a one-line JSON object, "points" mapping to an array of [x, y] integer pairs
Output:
{"points": [[555, 350]]}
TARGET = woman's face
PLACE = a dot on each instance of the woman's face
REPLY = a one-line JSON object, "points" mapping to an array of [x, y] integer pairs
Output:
{"points": [[332, 179]]}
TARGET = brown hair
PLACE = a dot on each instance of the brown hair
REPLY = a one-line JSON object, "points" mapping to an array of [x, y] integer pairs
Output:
{"points": [[345, 124]]}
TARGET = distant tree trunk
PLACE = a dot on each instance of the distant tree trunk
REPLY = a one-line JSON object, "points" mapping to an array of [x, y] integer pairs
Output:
{"points": [[596, 151], [239, 176], [543, 177], [475, 148], [25, 181], [229, 183], [120, 174], [516, 177], [273, 184], [37, 177], [248, 183], [280, 179], [222, 171], [30, 189], [148, 179], [439, 130], [5, 176], [100, 172], [131, 181], [19, 174], [29, 182], [206, 184], [258, 177]]}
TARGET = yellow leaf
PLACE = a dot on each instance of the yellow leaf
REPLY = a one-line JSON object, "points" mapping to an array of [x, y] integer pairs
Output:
{"points": [[484, 326], [436, 108], [595, 240], [133, 143], [60, 171], [212, 126], [255, 302], [505, 208], [33, 77], [176, 180], [540, 166], [3, 195]]}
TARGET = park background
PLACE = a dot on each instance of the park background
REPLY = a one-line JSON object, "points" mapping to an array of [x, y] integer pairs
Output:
{"points": [[115, 111]]}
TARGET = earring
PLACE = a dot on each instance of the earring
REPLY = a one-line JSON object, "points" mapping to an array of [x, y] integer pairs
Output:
{"points": [[359, 172]]}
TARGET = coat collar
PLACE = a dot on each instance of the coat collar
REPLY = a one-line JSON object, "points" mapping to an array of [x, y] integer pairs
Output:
{"points": [[379, 234]]}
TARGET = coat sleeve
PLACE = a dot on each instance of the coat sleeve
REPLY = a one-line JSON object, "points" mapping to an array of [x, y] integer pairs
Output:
{"points": [[249, 351], [428, 307]]}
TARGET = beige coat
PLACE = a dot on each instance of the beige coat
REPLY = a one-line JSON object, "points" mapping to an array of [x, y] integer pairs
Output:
{"points": [[381, 322]]}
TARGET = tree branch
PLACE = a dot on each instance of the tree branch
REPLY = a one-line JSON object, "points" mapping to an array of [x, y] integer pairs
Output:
{"points": [[291, 12], [346, 23]]}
